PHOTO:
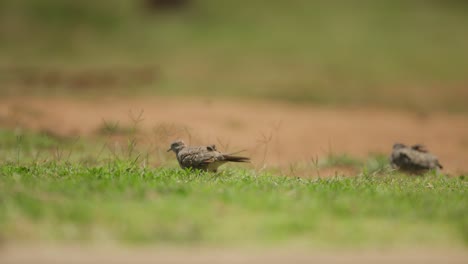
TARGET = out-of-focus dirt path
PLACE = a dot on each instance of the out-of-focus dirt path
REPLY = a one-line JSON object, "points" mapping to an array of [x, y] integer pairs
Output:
{"points": [[106, 254], [273, 133]]}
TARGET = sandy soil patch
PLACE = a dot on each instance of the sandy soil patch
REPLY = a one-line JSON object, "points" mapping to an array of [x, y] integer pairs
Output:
{"points": [[70, 254]]}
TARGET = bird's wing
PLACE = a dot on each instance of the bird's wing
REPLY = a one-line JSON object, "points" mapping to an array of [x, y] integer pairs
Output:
{"points": [[413, 159], [211, 147], [423, 160], [420, 148], [405, 158], [197, 156]]}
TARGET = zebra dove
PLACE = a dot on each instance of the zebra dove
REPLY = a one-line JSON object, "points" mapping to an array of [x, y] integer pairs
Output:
{"points": [[206, 158], [415, 159]]}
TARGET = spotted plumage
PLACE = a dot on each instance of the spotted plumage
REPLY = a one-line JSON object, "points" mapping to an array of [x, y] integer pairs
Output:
{"points": [[206, 158], [413, 159]]}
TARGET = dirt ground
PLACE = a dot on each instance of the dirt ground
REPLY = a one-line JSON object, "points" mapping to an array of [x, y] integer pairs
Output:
{"points": [[272, 133], [71, 254]]}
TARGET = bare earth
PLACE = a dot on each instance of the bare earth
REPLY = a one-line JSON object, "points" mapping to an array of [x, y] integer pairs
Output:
{"points": [[71, 254], [272, 133]]}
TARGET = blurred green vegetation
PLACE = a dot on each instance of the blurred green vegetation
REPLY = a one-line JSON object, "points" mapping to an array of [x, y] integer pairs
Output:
{"points": [[405, 54], [125, 203]]}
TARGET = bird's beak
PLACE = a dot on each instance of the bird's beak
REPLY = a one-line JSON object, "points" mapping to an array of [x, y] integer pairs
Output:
{"points": [[169, 150]]}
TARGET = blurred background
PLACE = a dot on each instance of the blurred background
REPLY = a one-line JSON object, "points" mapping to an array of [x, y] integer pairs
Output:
{"points": [[312, 90], [394, 54]]}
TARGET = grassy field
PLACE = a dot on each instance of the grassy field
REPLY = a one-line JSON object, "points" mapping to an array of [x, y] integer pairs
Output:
{"points": [[120, 200], [121, 203], [404, 54]]}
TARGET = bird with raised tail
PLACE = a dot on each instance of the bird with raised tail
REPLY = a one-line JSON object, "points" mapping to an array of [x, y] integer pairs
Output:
{"points": [[205, 158], [413, 159]]}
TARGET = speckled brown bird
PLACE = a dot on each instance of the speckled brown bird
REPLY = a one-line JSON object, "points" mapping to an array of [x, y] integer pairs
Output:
{"points": [[206, 158], [413, 159]]}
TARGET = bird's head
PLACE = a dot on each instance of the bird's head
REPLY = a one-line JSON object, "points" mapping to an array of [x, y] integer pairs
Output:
{"points": [[176, 146], [399, 146]]}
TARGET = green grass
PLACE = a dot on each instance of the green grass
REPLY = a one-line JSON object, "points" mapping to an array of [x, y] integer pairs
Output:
{"points": [[22, 146], [402, 54], [335, 160], [74, 192], [129, 204]]}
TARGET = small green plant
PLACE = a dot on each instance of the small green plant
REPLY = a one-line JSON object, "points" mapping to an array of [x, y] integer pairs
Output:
{"points": [[114, 128], [340, 160], [377, 164]]}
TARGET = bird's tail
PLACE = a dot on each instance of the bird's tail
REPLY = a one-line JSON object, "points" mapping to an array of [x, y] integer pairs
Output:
{"points": [[232, 158]]}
